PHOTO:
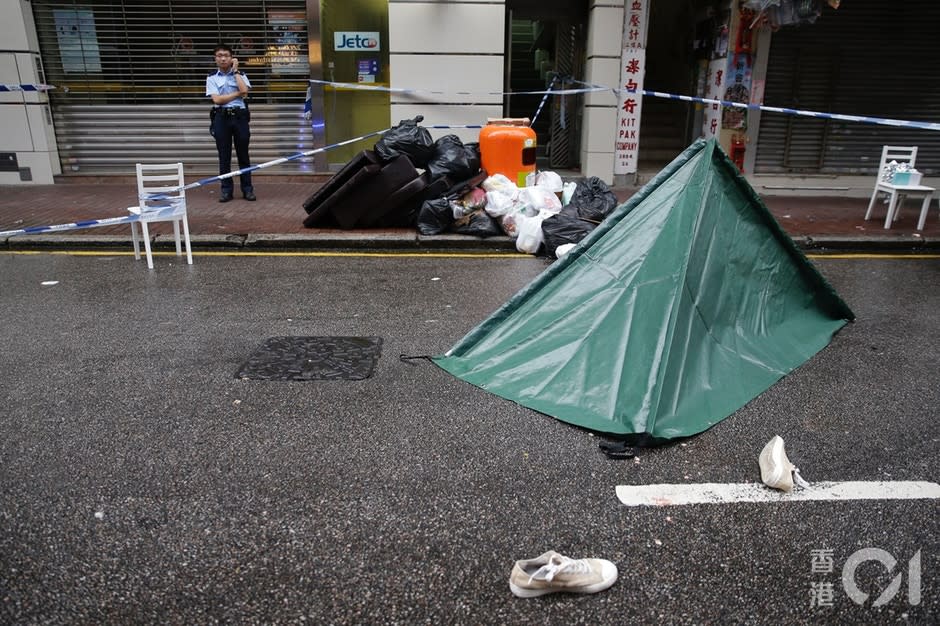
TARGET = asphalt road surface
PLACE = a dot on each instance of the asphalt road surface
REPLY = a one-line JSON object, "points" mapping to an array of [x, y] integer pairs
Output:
{"points": [[143, 483]]}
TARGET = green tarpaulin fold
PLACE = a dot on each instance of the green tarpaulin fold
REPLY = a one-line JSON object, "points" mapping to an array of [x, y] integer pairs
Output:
{"points": [[686, 303]]}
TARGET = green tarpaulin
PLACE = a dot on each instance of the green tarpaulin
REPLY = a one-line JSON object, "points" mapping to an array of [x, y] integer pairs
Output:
{"points": [[686, 303]]}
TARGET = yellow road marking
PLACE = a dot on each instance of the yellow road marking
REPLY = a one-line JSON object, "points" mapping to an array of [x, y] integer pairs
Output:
{"points": [[873, 256]]}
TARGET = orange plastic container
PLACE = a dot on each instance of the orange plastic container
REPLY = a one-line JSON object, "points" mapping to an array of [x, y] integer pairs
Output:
{"points": [[507, 147]]}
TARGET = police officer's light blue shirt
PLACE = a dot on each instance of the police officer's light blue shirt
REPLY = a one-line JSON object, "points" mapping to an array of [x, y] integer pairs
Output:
{"points": [[220, 84]]}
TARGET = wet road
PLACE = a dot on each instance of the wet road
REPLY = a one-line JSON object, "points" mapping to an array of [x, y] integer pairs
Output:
{"points": [[142, 482]]}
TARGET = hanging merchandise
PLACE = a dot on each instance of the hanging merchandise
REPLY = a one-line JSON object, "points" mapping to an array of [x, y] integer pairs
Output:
{"points": [[759, 5], [778, 13], [745, 38], [792, 12]]}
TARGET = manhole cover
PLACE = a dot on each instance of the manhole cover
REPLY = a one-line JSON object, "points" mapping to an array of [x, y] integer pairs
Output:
{"points": [[313, 358]]}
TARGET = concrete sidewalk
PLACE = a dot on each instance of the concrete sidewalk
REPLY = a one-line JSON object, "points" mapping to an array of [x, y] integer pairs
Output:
{"points": [[276, 220]]}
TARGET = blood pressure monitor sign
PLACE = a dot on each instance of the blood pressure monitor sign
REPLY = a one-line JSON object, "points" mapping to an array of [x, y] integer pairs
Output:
{"points": [[352, 41]]}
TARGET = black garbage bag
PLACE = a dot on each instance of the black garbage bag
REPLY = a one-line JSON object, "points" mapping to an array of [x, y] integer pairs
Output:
{"points": [[565, 227], [478, 224], [593, 199], [409, 139], [454, 159], [435, 217]]}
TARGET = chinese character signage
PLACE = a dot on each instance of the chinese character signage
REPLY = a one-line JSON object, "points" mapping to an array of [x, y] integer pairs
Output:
{"points": [[632, 69], [714, 88], [634, 35]]}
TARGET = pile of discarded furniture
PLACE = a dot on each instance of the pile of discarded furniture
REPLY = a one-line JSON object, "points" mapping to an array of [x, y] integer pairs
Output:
{"points": [[446, 186], [383, 187]]}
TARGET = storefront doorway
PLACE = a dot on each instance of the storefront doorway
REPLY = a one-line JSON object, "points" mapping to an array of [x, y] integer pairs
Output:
{"points": [[354, 43], [545, 39]]}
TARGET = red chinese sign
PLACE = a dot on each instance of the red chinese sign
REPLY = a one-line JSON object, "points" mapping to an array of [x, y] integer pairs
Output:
{"points": [[632, 69]]}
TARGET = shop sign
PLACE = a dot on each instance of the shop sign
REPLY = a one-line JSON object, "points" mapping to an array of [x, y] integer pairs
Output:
{"points": [[345, 41], [714, 89], [632, 70]]}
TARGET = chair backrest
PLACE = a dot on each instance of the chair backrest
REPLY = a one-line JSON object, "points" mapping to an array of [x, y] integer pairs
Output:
{"points": [[165, 181], [901, 154]]}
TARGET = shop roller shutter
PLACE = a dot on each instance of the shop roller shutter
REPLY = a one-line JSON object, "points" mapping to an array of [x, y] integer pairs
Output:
{"points": [[869, 58], [131, 79]]}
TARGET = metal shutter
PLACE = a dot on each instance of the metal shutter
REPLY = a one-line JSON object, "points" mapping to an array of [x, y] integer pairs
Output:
{"points": [[131, 79], [870, 57]]}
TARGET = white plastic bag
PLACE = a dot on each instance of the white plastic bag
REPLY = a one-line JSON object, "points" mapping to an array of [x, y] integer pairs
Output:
{"points": [[564, 249], [529, 237], [510, 223], [498, 182], [550, 181], [546, 180], [538, 199], [500, 202]]}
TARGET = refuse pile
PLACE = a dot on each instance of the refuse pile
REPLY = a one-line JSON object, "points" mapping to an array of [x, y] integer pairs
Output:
{"points": [[383, 187], [410, 180]]}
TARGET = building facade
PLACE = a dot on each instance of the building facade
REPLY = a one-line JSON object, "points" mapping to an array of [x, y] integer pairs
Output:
{"points": [[129, 79]]}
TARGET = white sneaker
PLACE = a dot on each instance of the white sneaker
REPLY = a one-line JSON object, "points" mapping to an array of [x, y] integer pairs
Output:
{"points": [[552, 572], [776, 470]]}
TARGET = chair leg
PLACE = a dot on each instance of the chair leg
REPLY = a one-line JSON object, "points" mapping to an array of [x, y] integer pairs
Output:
{"points": [[176, 236], [891, 208], [923, 212], [874, 196], [143, 227], [136, 241], [897, 208], [189, 249]]}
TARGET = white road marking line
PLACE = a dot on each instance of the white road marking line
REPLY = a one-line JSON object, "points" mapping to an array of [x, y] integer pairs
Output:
{"points": [[719, 493]]}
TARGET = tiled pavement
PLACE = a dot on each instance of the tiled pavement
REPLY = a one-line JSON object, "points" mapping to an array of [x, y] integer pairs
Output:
{"points": [[278, 211]]}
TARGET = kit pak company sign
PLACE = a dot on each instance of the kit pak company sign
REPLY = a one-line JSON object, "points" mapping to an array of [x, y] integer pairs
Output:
{"points": [[351, 41], [632, 69]]}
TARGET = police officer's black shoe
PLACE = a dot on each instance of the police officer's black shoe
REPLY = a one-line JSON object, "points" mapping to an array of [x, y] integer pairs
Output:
{"points": [[250, 196], [225, 197]]}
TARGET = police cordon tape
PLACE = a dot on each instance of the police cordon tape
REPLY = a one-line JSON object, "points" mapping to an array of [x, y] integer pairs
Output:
{"points": [[884, 121], [28, 88], [112, 221], [401, 90], [592, 88], [300, 155], [589, 88]]}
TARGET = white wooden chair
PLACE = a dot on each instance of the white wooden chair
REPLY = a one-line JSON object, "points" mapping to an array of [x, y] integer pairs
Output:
{"points": [[897, 193], [162, 199]]}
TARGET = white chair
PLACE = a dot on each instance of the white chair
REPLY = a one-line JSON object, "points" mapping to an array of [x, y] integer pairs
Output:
{"points": [[162, 199], [897, 193]]}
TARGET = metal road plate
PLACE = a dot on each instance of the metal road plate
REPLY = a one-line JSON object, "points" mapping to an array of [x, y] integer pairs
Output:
{"points": [[313, 358]]}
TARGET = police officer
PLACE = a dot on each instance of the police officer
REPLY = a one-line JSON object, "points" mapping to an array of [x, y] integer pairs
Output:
{"points": [[228, 88]]}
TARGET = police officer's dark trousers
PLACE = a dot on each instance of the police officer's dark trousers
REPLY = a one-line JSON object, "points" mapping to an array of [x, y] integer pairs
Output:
{"points": [[232, 124]]}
